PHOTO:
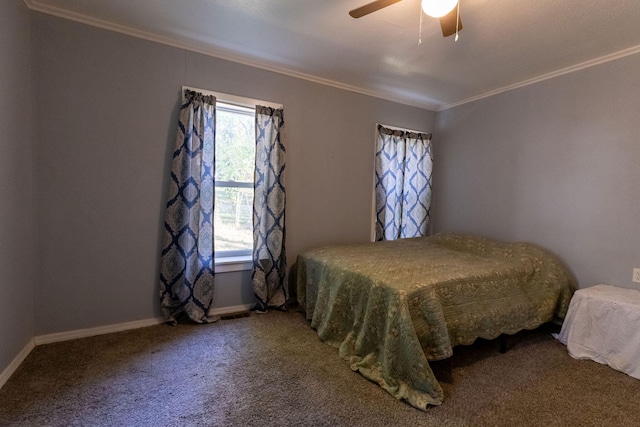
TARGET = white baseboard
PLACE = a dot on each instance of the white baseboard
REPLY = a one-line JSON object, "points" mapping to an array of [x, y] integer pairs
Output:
{"points": [[230, 310], [100, 330], [119, 327], [15, 363]]}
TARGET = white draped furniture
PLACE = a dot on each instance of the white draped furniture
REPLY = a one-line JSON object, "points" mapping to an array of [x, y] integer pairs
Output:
{"points": [[603, 324]]}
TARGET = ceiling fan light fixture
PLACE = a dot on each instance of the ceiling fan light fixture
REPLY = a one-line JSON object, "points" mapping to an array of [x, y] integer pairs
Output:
{"points": [[438, 8]]}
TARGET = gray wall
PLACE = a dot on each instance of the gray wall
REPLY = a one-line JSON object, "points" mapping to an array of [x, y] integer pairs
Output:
{"points": [[17, 234], [555, 163], [107, 107]]}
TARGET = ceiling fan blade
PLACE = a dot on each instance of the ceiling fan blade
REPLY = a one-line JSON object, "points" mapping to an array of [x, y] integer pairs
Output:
{"points": [[371, 7], [448, 23]]}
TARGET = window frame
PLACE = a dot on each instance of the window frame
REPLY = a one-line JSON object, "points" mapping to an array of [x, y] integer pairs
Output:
{"points": [[233, 260], [241, 255]]}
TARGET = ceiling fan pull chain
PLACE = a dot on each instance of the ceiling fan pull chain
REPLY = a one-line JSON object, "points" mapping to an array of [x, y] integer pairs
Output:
{"points": [[420, 31], [457, 21]]}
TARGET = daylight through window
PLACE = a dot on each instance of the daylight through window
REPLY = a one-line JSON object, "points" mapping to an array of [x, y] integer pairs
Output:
{"points": [[235, 158]]}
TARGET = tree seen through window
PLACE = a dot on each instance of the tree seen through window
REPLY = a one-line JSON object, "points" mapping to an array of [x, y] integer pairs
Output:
{"points": [[235, 160]]}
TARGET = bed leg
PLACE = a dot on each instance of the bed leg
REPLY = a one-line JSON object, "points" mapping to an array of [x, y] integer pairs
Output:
{"points": [[503, 344]]}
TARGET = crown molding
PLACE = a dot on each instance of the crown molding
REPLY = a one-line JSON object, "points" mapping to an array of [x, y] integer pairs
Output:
{"points": [[568, 70], [35, 5], [217, 53]]}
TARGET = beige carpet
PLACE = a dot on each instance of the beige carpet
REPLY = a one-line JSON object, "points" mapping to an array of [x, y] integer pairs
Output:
{"points": [[273, 370]]}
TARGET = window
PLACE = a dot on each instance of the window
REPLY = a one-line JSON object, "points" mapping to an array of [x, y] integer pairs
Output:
{"points": [[235, 162], [402, 190], [235, 142]]}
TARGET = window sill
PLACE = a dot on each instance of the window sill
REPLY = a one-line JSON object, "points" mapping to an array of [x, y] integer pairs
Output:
{"points": [[233, 263]]}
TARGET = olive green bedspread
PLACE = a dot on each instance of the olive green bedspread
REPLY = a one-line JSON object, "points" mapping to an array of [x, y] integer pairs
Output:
{"points": [[390, 307]]}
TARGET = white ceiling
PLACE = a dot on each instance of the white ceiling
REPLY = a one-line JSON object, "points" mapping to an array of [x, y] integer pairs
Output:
{"points": [[504, 43]]}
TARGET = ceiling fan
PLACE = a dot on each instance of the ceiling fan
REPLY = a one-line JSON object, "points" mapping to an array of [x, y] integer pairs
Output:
{"points": [[448, 11]]}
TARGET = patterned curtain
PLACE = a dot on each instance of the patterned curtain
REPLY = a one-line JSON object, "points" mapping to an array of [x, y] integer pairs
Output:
{"points": [[269, 257], [403, 164], [416, 189], [389, 179], [186, 265]]}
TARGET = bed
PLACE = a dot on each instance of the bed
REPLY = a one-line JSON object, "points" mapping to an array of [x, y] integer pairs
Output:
{"points": [[391, 307]]}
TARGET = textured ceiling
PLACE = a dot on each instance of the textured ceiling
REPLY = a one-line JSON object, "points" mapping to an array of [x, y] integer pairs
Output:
{"points": [[504, 44]]}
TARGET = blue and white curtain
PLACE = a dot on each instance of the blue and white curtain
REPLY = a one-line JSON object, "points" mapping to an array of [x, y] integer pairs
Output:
{"points": [[187, 264], [269, 257], [403, 164]]}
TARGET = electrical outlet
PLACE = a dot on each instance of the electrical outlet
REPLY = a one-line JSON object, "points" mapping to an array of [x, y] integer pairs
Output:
{"points": [[636, 275]]}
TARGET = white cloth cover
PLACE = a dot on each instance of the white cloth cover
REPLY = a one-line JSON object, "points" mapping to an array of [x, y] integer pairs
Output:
{"points": [[603, 324]]}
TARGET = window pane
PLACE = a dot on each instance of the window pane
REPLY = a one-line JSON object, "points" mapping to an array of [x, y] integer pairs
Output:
{"points": [[233, 219], [235, 146]]}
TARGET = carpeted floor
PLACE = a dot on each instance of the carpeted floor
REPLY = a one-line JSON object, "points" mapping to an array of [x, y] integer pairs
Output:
{"points": [[272, 370]]}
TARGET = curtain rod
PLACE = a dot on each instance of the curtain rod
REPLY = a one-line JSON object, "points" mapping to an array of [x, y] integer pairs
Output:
{"points": [[240, 101], [406, 130]]}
